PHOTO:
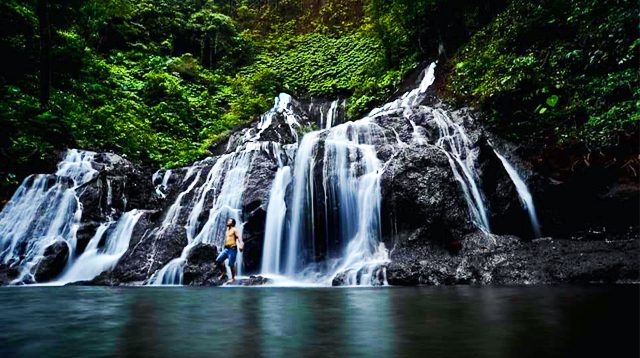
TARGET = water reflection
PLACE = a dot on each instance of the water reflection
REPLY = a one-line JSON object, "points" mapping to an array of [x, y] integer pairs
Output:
{"points": [[440, 322]]}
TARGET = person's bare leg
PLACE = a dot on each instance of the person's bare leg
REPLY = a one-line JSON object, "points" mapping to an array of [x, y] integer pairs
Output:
{"points": [[233, 274], [223, 271]]}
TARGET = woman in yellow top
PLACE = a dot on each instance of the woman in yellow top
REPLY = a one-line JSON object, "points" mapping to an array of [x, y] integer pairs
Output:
{"points": [[232, 242]]}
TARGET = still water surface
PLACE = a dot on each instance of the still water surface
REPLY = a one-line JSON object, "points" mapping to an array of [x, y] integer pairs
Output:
{"points": [[299, 322]]}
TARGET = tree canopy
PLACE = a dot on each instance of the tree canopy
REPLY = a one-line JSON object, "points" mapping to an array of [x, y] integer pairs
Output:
{"points": [[162, 80]]}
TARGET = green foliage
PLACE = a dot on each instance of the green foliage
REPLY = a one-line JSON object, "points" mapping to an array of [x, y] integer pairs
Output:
{"points": [[161, 80], [318, 64], [566, 70]]}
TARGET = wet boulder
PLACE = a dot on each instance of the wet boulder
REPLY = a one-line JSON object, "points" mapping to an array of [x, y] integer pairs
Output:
{"points": [[374, 276], [200, 268], [253, 280], [54, 260], [421, 200]]}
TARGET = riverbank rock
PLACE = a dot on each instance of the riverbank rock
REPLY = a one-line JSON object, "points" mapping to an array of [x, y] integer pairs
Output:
{"points": [[253, 280], [494, 259], [376, 278], [200, 268]]}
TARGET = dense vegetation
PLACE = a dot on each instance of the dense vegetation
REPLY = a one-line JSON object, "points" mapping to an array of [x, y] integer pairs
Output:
{"points": [[563, 70], [161, 80]]}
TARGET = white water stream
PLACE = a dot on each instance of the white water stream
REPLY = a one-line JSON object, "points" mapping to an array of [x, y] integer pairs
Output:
{"points": [[43, 210]]}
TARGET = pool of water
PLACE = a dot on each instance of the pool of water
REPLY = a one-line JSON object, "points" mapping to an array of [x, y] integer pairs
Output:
{"points": [[296, 322]]}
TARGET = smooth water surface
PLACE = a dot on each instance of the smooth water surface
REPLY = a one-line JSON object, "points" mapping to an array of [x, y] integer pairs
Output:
{"points": [[297, 322]]}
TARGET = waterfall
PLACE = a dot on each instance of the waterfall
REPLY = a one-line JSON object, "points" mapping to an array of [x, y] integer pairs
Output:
{"points": [[323, 220], [43, 210], [274, 226], [332, 113], [162, 187], [95, 260], [523, 192], [171, 273], [225, 184], [351, 186], [282, 106], [409, 99], [302, 199], [174, 210], [462, 157]]}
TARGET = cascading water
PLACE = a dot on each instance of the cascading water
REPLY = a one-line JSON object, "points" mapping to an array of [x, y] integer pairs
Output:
{"points": [[282, 105], [275, 225], [333, 113], [302, 195], [225, 186], [323, 220], [462, 157], [523, 193], [352, 183], [452, 140], [351, 188], [44, 209], [172, 272], [95, 260], [162, 187]]}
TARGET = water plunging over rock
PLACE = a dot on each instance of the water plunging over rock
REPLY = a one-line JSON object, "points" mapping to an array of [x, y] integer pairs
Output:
{"points": [[44, 212], [409, 194]]}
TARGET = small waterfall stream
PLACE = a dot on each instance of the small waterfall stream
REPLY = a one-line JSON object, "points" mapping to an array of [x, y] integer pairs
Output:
{"points": [[232, 168], [275, 225], [95, 260], [523, 193], [43, 210], [351, 188], [455, 144]]}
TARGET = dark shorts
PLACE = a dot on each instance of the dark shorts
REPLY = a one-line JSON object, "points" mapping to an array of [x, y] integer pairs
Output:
{"points": [[229, 253]]}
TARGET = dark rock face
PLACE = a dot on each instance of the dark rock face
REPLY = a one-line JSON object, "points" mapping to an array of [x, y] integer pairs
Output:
{"points": [[149, 250], [54, 261], [254, 202], [120, 186], [200, 268], [493, 259], [420, 195], [8, 274], [507, 215]]}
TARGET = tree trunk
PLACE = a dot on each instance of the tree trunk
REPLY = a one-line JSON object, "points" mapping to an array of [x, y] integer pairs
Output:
{"points": [[45, 52], [206, 52]]}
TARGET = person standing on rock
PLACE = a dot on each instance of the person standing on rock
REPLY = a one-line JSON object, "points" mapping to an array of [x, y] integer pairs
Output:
{"points": [[232, 242]]}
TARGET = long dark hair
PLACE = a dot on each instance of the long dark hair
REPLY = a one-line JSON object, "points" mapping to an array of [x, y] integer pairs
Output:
{"points": [[233, 221]]}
